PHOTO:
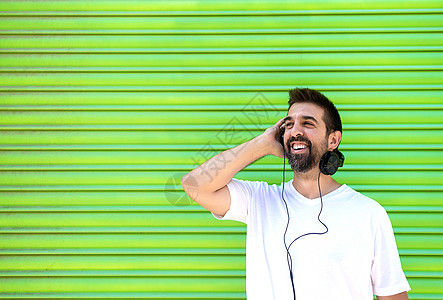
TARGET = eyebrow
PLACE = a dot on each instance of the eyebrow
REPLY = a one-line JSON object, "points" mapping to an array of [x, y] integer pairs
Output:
{"points": [[310, 118], [289, 118]]}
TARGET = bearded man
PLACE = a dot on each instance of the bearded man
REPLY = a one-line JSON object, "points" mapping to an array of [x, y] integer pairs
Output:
{"points": [[309, 238]]}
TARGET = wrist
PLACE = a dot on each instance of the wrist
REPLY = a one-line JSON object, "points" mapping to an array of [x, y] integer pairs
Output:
{"points": [[261, 146]]}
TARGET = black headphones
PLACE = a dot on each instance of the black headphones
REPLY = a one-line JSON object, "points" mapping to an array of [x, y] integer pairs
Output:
{"points": [[331, 161]]}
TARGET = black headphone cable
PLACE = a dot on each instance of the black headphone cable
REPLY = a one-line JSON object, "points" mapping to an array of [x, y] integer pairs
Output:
{"points": [[288, 254]]}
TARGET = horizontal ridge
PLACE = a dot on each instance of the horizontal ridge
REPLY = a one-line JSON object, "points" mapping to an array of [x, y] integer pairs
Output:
{"points": [[219, 50], [222, 12], [199, 147], [240, 107], [218, 69], [163, 188], [178, 167], [253, 88]]}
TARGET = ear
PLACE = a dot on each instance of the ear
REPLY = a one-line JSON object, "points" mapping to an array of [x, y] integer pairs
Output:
{"points": [[334, 140]]}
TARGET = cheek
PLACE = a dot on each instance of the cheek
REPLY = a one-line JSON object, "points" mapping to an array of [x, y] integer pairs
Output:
{"points": [[320, 145]]}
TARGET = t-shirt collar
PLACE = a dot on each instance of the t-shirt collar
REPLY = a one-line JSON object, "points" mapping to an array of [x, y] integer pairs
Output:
{"points": [[293, 192]]}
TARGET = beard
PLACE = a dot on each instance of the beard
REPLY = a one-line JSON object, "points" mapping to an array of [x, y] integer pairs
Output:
{"points": [[302, 163]]}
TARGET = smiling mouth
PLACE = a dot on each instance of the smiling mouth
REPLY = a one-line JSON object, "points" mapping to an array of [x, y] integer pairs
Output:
{"points": [[297, 147]]}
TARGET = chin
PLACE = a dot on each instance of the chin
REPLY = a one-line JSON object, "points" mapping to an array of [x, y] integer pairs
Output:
{"points": [[302, 165]]}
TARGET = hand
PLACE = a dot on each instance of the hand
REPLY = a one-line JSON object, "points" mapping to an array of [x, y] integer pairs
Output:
{"points": [[271, 138]]}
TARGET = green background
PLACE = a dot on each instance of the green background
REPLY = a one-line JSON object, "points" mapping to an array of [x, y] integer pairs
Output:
{"points": [[105, 105]]}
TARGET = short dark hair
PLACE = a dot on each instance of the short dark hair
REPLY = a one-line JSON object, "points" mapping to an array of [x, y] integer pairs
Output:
{"points": [[331, 117]]}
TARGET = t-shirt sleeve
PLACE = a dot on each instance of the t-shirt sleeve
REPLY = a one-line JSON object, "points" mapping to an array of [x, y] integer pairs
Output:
{"points": [[387, 275], [241, 192]]}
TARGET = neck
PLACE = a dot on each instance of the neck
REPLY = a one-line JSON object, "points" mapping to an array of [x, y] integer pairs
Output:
{"points": [[307, 184]]}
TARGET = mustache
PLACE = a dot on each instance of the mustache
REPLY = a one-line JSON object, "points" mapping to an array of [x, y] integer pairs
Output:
{"points": [[298, 138]]}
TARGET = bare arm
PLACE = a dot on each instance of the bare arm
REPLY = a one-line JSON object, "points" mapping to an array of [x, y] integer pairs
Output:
{"points": [[206, 184], [401, 296]]}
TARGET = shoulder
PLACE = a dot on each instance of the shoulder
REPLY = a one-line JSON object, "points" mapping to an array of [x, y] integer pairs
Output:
{"points": [[363, 202], [364, 211]]}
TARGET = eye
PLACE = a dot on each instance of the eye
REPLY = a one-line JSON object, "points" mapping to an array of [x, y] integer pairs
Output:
{"points": [[289, 125], [309, 124]]}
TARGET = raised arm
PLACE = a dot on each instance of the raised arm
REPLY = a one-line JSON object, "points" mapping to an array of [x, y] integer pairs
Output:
{"points": [[210, 178]]}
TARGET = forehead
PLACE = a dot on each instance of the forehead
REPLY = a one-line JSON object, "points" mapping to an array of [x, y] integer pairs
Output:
{"points": [[306, 109]]}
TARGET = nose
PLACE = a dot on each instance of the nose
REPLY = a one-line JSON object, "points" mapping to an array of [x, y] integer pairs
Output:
{"points": [[296, 130]]}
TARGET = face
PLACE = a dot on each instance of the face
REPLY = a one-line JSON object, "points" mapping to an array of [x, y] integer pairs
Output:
{"points": [[305, 136]]}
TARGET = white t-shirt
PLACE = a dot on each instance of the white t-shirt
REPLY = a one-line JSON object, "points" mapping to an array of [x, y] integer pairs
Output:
{"points": [[357, 258]]}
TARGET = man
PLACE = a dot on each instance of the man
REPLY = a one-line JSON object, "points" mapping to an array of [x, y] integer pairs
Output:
{"points": [[310, 238]]}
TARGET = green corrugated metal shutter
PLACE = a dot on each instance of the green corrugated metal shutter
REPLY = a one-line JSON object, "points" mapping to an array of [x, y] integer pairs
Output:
{"points": [[106, 104]]}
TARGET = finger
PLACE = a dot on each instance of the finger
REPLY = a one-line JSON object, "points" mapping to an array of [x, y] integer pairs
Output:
{"points": [[280, 123]]}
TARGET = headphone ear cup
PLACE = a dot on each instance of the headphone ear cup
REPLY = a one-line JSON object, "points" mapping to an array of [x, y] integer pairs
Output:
{"points": [[331, 161], [341, 158], [281, 138], [324, 163]]}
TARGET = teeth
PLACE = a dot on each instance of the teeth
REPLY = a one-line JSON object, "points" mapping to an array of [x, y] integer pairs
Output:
{"points": [[298, 147]]}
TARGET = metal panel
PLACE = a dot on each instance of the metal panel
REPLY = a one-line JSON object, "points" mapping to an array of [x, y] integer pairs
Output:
{"points": [[104, 105]]}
